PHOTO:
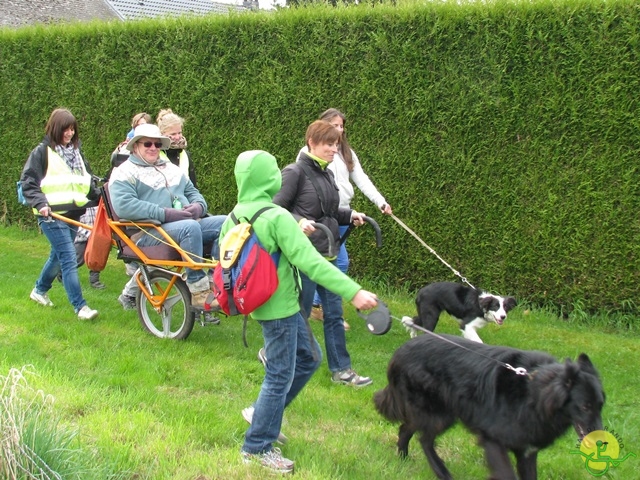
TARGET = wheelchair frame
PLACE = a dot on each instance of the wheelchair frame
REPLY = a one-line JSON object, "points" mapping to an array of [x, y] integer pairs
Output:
{"points": [[163, 301]]}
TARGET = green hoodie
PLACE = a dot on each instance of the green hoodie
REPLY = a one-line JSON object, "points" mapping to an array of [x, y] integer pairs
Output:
{"points": [[258, 179]]}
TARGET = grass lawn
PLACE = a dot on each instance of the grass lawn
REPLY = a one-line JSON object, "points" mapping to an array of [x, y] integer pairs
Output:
{"points": [[166, 409]]}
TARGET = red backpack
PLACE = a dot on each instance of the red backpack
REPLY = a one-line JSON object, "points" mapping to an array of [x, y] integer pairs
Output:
{"points": [[246, 275]]}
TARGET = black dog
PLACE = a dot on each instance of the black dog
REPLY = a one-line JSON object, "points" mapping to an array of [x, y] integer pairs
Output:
{"points": [[433, 383], [471, 307]]}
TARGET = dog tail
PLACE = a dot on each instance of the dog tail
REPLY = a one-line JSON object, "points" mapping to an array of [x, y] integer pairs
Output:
{"points": [[389, 406]]}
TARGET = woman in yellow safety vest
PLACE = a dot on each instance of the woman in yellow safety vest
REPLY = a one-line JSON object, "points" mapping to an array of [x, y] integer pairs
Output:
{"points": [[56, 178]]}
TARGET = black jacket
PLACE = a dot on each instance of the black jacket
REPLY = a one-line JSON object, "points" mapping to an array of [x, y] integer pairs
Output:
{"points": [[173, 155], [298, 195]]}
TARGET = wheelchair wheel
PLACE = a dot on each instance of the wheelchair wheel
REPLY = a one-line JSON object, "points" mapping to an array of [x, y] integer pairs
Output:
{"points": [[175, 319]]}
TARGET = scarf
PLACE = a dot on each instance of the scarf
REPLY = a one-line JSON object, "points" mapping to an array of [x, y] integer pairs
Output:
{"points": [[179, 145], [322, 163], [72, 157]]}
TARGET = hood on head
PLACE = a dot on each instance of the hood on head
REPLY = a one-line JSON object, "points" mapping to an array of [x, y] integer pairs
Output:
{"points": [[257, 176]]}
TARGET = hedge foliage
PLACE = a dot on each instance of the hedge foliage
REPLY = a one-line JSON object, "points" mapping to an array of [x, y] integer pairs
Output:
{"points": [[505, 134]]}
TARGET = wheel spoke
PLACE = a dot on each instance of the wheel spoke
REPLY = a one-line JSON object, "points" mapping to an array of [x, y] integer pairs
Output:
{"points": [[171, 301]]}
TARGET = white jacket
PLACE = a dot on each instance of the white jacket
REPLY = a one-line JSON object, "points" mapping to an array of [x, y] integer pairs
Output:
{"points": [[344, 178]]}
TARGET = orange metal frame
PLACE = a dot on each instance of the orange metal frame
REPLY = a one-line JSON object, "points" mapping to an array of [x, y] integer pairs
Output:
{"points": [[118, 228]]}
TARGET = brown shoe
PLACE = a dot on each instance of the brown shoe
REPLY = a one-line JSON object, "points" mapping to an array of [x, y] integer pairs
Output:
{"points": [[198, 298], [211, 303], [317, 314]]}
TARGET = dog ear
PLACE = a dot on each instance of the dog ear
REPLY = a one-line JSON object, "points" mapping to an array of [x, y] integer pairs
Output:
{"points": [[509, 303], [570, 375], [557, 384], [584, 362], [485, 302]]}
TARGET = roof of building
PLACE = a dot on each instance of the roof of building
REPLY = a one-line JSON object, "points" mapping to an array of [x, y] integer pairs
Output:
{"points": [[16, 13], [132, 9]]}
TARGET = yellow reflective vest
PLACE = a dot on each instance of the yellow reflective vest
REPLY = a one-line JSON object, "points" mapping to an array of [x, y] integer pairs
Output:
{"points": [[62, 186], [183, 161]]}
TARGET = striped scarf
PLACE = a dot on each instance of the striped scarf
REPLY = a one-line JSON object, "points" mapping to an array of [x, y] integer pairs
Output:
{"points": [[72, 156]]}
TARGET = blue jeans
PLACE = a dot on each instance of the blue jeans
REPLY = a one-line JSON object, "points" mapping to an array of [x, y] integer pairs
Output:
{"points": [[288, 348], [192, 236], [342, 261], [62, 257], [335, 341]]}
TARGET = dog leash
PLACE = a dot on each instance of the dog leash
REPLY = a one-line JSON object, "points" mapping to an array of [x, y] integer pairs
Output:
{"points": [[408, 322], [403, 225], [379, 322]]}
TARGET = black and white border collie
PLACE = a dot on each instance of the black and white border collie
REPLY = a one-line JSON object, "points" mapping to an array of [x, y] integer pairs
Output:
{"points": [[471, 307]]}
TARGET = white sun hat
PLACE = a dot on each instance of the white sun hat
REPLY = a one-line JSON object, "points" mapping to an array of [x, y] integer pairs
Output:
{"points": [[148, 130]]}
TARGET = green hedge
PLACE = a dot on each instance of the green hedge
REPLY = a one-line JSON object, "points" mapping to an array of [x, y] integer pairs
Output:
{"points": [[506, 135]]}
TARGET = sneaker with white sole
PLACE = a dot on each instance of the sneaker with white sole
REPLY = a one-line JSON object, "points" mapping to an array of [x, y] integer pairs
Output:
{"points": [[272, 460], [41, 298], [86, 313], [262, 356], [247, 414], [350, 377]]}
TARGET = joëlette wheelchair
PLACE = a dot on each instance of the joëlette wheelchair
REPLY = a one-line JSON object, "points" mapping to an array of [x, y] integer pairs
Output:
{"points": [[163, 300]]}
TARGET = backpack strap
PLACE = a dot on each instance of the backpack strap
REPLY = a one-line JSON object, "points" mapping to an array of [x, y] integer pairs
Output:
{"points": [[314, 182], [229, 292]]}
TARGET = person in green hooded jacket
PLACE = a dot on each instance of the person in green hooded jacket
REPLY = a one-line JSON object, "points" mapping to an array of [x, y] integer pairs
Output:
{"points": [[292, 351]]}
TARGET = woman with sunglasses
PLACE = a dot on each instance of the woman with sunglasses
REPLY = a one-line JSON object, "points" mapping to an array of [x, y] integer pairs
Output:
{"points": [[147, 186], [57, 178]]}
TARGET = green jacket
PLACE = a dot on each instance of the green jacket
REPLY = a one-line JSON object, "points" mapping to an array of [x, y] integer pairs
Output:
{"points": [[258, 179]]}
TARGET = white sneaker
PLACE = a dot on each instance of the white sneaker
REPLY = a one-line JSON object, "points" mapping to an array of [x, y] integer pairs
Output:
{"points": [[41, 298], [247, 414], [350, 377], [85, 313]]}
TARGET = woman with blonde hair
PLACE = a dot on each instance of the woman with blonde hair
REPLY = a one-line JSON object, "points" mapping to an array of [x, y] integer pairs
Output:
{"points": [[170, 125], [138, 119]]}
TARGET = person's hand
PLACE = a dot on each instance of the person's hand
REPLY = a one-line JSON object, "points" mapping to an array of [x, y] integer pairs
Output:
{"points": [[386, 209], [306, 226], [364, 300], [45, 211], [195, 209], [357, 218], [175, 215]]}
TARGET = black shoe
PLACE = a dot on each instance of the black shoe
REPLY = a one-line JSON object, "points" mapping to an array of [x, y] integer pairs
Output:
{"points": [[94, 280], [127, 302]]}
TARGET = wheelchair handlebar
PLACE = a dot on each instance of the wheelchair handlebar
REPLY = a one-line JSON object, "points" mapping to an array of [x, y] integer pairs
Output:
{"points": [[371, 222], [327, 232]]}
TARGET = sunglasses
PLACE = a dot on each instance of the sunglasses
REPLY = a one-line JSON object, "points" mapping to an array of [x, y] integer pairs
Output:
{"points": [[149, 144]]}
